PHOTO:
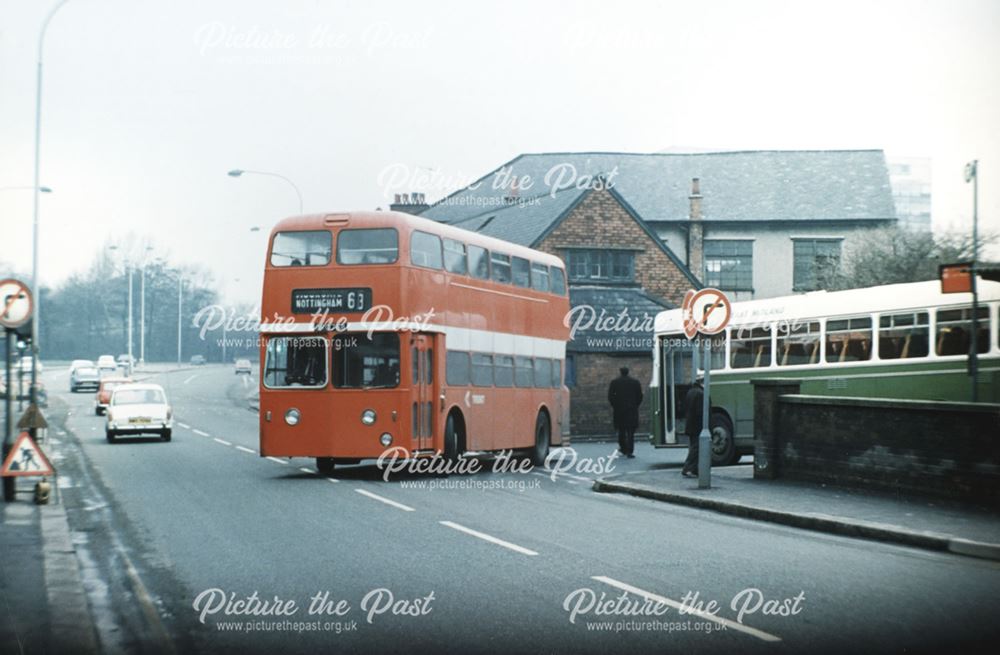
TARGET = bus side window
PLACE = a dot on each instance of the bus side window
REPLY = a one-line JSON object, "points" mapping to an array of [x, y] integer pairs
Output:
{"points": [[524, 372], [543, 372], [751, 348], [558, 280], [425, 250], [849, 340], [798, 344], [503, 371], [479, 262], [454, 257], [903, 336], [458, 368], [539, 277], [500, 263], [482, 370], [557, 374], [521, 272], [954, 327]]}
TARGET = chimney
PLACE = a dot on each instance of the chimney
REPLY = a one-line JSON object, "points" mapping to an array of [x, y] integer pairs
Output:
{"points": [[696, 232], [411, 203]]}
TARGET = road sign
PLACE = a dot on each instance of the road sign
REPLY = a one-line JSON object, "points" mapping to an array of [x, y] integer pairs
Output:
{"points": [[706, 311], [26, 458], [956, 278], [16, 304]]}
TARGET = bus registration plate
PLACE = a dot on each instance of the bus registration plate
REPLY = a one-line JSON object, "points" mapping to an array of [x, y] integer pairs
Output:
{"points": [[310, 301]]}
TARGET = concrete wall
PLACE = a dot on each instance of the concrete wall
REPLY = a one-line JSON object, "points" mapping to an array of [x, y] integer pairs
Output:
{"points": [[772, 249], [926, 447]]}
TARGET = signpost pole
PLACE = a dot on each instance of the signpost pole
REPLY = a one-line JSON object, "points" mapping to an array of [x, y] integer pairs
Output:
{"points": [[9, 484], [705, 436], [974, 340]]}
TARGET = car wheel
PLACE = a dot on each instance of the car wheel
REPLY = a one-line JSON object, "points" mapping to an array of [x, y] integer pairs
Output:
{"points": [[110, 435], [166, 435], [97, 411]]}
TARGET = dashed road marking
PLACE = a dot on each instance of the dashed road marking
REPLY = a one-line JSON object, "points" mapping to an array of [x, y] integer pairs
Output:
{"points": [[656, 598], [489, 538], [191, 378], [305, 470], [279, 461], [184, 425], [382, 499], [246, 450], [200, 433], [222, 441]]}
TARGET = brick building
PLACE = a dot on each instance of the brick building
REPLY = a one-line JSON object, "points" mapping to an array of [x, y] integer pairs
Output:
{"points": [[638, 230]]}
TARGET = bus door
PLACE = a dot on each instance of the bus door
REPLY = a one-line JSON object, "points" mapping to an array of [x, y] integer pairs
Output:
{"points": [[679, 363], [422, 390]]}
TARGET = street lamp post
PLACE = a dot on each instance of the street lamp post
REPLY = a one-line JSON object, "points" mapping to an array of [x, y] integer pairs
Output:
{"points": [[237, 172], [142, 310], [972, 175], [180, 303], [34, 223], [129, 268]]}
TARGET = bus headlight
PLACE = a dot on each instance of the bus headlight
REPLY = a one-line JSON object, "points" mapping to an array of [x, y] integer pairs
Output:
{"points": [[292, 416], [368, 417], [385, 439]]}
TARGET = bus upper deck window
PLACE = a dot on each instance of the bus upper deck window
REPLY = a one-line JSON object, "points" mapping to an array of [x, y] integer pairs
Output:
{"points": [[500, 264], [558, 281], [539, 277], [425, 250], [367, 246], [479, 262], [307, 248], [521, 271], [454, 257]]}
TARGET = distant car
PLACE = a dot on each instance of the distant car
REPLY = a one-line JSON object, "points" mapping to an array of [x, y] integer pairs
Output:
{"points": [[84, 377], [198, 360], [126, 361], [138, 409], [107, 365], [25, 365], [244, 366], [103, 395], [77, 363]]}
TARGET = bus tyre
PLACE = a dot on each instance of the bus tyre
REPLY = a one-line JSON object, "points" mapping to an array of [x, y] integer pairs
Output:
{"points": [[542, 434], [325, 465], [450, 440], [109, 435], [723, 444]]}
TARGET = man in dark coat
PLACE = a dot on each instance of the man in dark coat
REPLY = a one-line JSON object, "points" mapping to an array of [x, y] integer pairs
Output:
{"points": [[625, 396], [692, 425]]}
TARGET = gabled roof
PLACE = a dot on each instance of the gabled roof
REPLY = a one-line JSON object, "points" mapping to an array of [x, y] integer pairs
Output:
{"points": [[640, 309], [761, 185]]}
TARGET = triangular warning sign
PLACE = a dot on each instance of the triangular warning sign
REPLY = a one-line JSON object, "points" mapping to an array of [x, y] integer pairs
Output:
{"points": [[26, 458]]}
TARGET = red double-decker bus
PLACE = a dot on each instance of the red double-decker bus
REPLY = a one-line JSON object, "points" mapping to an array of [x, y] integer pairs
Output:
{"points": [[384, 330]]}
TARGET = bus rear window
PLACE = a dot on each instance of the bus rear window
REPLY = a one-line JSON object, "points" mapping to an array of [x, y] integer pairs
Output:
{"points": [[367, 246], [295, 362], [362, 362], [311, 248], [558, 281]]}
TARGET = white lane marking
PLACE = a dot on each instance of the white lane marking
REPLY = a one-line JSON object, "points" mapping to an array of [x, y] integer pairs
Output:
{"points": [[486, 537], [246, 383], [733, 625], [191, 378], [572, 482], [279, 461], [305, 470], [200, 433], [184, 425], [333, 479], [385, 500], [222, 441], [246, 450]]}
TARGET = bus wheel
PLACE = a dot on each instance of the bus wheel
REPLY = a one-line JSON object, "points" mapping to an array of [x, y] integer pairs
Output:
{"points": [[324, 465], [723, 445], [451, 439], [542, 433]]}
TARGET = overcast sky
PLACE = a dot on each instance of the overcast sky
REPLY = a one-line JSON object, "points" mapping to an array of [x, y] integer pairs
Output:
{"points": [[148, 104]]}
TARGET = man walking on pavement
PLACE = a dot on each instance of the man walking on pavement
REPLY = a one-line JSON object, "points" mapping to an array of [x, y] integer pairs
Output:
{"points": [[625, 396], [692, 424]]}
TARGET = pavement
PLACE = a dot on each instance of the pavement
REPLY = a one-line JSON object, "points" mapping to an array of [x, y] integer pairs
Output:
{"points": [[922, 522]]}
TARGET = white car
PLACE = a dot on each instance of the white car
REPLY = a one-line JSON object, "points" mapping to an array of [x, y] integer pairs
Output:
{"points": [[107, 365], [138, 409]]}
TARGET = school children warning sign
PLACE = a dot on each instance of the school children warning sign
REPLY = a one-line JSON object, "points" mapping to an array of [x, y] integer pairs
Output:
{"points": [[25, 459]]}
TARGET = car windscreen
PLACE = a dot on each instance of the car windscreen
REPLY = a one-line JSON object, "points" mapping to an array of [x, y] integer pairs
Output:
{"points": [[86, 370], [138, 397]]}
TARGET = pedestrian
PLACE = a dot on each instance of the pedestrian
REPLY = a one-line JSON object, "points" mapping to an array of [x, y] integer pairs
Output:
{"points": [[625, 396], [693, 408]]}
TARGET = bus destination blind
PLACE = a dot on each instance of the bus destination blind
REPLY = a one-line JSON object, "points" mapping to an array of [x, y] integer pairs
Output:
{"points": [[310, 301]]}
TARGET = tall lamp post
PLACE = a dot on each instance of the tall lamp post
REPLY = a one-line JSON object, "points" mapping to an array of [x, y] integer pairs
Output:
{"points": [[237, 172], [37, 187], [972, 175], [180, 304], [129, 268], [142, 309]]}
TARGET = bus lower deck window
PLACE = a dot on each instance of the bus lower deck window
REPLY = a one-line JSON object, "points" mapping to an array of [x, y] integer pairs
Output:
{"points": [[371, 363], [295, 362]]}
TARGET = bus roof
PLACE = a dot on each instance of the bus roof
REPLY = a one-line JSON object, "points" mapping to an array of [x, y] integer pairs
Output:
{"points": [[852, 302], [356, 219]]}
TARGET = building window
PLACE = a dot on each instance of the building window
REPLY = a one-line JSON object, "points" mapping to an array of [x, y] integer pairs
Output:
{"points": [[814, 261], [601, 265], [729, 265]]}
